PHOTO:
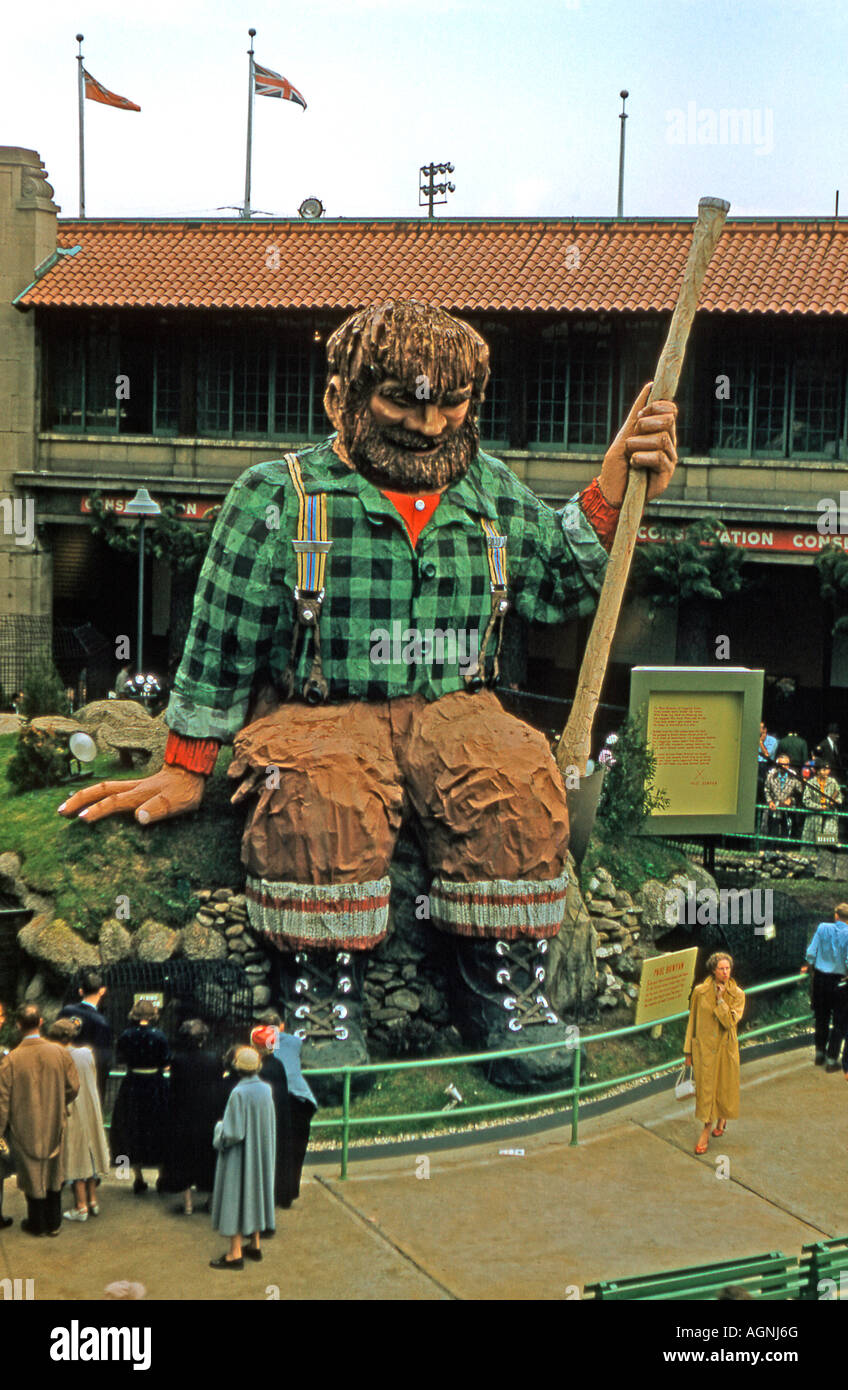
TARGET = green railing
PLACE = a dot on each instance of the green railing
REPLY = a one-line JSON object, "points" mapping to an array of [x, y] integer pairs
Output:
{"points": [[798, 815], [346, 1122]]}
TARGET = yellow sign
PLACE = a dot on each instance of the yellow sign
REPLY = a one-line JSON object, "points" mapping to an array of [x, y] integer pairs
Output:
{"points": [[157, 999], [696, 737], [665, 985]]}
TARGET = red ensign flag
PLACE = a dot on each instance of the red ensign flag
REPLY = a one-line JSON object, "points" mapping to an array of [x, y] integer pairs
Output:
{"points": [[95, 91]]}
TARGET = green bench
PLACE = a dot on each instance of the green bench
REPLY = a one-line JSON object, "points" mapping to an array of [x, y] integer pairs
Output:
{"points": [[771, 1276]]}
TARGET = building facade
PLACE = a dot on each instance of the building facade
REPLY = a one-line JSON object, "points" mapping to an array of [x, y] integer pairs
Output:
{"points": [[175, 354]]}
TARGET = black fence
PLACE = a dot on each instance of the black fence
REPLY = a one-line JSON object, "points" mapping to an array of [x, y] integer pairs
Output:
{"points": [[217, 991], [765, 931]]}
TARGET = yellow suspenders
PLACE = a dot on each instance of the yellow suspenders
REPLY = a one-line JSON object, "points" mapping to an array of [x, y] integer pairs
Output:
{"points": [[311, 549]]}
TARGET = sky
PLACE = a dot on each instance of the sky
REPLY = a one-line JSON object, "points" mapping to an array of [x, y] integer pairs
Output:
{"points": [[522, 96]]}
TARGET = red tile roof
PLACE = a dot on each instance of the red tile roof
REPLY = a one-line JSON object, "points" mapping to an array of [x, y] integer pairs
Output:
{"points": [[796, 266]]}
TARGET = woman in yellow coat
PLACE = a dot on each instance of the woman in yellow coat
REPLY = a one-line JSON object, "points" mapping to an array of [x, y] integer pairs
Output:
{"points": [[712, 1047]]}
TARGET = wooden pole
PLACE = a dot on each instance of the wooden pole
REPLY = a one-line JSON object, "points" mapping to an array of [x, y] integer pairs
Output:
{"points": [[575, 744]]}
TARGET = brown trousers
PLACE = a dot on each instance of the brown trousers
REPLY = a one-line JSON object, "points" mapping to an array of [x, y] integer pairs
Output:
{"points": [[333, 784]]}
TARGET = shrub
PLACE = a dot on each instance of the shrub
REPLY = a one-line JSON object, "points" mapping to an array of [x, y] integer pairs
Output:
{"points": [[628, 794], [40, 760], [43, 690]]}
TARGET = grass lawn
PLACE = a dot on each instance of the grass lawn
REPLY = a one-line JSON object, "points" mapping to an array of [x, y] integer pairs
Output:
{"points": [[83, 868]]}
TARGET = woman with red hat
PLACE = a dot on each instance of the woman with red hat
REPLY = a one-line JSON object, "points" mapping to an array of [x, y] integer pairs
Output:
{"points": [[264, 1039]]}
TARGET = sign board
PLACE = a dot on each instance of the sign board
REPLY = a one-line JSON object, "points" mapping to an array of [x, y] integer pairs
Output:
{"points": [[702, 724], [157, 999], [665, 985], [189, 508]]}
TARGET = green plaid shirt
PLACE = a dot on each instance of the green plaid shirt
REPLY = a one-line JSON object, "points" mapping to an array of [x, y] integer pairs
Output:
{"points": [[380, 593]]}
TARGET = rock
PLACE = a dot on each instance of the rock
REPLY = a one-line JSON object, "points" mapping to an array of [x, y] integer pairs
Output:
{"points": [[10, 874], [51, 940], [234, 931], [429, 997], [380, 974], [623, 900], [199, 941], [607, 1001], [631, 991], [237, 945], [204, 895], [154, 941], [114, 941], [124, 727], [403, 999], [239, 900], [261, 996], [57, 724], [255, 970], [253, 957], [630, 919], [388, 1015], [601, 907], [36, 989], [222, 895], [409, 972], [570, 961], [606, 925], [629, 967], [206, 918]]}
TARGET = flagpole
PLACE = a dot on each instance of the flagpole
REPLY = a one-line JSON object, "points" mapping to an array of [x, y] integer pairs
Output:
{"points": [[81, 85], [246, 208]]}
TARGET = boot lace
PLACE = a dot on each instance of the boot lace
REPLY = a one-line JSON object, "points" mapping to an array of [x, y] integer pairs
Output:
{"points": [[320, 1014], [528, 1005]]}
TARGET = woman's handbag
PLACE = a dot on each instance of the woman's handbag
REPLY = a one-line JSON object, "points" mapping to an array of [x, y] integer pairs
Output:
{"points": [[685, 1085], [7, 1163]]}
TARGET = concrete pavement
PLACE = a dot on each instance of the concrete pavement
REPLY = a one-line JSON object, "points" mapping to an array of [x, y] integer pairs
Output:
{"points": [[631, 1198]]}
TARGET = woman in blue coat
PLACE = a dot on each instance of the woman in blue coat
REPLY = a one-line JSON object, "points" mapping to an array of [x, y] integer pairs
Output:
{"points": [[243, 1197]]}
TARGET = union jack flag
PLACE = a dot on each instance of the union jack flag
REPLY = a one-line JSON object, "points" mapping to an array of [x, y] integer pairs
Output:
{"points": [[271, 84], [95, 91]]}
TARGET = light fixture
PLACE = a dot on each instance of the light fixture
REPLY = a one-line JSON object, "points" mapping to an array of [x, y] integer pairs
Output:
{"points": [[311, 209]]}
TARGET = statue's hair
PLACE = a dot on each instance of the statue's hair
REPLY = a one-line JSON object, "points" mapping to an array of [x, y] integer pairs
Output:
{"points": [[407, 339], [715, 958]]}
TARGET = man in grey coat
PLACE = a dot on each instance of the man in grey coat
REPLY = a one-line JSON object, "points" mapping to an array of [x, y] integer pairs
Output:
{"points": [[246, 1138], [38, 1081]]}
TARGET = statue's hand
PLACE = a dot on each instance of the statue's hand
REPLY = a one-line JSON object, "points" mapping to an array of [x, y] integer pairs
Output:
{"points": [[170, 792], [648, 440]]}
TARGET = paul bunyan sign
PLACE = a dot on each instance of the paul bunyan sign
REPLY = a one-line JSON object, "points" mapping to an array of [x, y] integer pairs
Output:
{"points": [[665, 985]]}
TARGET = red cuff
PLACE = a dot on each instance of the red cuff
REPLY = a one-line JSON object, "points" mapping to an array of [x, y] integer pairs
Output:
{"points": [[194, 754], [599, 513]]}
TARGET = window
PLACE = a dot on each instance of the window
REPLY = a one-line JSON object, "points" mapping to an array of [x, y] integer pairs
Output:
{"points": [[786, 391], [84, 360], [573, 394], [816, 425], [299, 388]]}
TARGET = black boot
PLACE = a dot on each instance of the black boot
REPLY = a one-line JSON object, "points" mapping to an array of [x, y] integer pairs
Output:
{"points": [[500, 1003], [322, 994]]}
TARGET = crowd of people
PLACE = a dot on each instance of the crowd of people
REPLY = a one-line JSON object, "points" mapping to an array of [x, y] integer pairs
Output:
{"points": [[234, 1129], [800, 792]]}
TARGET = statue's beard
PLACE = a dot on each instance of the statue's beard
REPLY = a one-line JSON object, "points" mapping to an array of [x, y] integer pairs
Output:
{"points": [[391, 458]]}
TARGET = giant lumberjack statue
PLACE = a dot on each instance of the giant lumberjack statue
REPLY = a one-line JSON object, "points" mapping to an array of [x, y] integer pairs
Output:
{"points": [[397, 529]]}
